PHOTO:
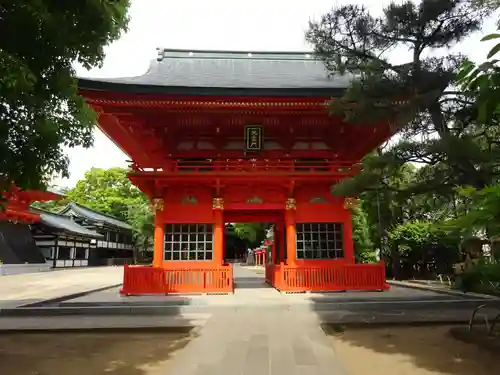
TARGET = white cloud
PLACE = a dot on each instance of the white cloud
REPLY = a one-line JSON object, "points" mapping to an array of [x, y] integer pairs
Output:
{"points": [[272, 25]]}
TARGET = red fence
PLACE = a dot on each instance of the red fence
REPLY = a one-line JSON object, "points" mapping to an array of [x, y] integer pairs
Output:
{"points": [[139, 280], [338, 277]]}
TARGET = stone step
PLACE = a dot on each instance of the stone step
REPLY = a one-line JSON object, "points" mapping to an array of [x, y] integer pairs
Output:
{"points": [[246, 304], [103, 322]]}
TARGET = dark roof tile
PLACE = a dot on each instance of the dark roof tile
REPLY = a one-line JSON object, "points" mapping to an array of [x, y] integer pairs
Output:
{"points": [[65, 224], [94, 215], [234, 70]]}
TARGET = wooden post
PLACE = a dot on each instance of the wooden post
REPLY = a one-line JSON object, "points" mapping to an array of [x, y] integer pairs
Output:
{"points": [[218, 207], [159, 236], [291, 234]]}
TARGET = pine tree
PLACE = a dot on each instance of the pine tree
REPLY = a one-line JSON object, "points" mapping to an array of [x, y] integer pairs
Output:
{"points": [[435, 121]]}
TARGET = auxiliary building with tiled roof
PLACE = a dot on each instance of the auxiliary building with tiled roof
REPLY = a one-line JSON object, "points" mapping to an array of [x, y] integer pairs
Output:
{"points": [[116, 243], [77, 236], [63, 242]]}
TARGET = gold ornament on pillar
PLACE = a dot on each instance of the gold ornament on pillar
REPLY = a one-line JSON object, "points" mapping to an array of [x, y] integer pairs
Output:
{"points": [[157, 204], [291, 204], [218, 203], [350, 203]]}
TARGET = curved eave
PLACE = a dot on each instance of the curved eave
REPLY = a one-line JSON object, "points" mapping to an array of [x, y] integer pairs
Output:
{"points": [[140, 89], [68, 232]]}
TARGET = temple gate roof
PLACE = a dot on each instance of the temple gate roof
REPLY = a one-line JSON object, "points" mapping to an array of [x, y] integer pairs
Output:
{"points": [[177, 71]]}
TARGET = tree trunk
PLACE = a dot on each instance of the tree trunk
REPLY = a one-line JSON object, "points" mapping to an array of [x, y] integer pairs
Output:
{"points": [[396, 263]]}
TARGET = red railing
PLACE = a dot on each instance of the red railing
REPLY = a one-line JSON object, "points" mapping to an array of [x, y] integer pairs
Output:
{"points": [[326, 166], [338, 277], [142, 280], [271, 271], [139, 280]]}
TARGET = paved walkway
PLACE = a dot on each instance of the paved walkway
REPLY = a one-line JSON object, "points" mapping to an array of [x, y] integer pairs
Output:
{"points": [[16, 290], [274, 343], [249, 343]]}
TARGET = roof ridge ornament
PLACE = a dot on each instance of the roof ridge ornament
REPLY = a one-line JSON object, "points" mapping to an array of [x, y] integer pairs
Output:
{"points": [[163, 53], [160, 53]]}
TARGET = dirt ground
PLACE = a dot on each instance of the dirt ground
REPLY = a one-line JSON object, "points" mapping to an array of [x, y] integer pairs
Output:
{"points": [[427, 350], [89, 353]]}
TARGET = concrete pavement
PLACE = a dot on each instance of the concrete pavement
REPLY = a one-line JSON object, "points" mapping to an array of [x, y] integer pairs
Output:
{"points": [[17, 290], [255, 331], [252, 293]]}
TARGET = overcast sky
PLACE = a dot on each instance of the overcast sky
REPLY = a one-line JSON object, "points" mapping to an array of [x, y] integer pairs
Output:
{"points": [[258, 25]]}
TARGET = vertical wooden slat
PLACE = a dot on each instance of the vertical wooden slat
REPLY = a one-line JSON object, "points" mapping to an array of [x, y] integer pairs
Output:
{"points": [[334, 277], [149, 280]]}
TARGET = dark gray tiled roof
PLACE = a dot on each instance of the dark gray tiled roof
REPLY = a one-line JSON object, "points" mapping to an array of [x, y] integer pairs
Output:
{"points": [[65, 224], [174, 69], [94, 215]]}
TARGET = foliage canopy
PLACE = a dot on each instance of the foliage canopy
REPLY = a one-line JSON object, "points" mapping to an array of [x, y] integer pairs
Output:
{"points": [[40, 110]]}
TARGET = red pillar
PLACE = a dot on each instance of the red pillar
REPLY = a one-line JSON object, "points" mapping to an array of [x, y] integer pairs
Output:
{"points": [[159, 234], [348, 241], [280, 237], [218, 206], [291, 234]]}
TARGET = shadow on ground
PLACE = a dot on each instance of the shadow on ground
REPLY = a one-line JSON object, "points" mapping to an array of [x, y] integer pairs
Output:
{"points": [[413, 350], [83, 353]]}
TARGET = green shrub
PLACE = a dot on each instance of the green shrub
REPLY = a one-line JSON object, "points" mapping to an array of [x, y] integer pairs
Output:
{"points": [[483, 277]]}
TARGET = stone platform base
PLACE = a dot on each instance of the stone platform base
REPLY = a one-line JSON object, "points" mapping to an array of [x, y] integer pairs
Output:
{"points": [[16, 269]]}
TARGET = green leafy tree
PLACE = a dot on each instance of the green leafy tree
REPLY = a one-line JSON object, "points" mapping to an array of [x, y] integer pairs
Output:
{"points": [[252, 233], [482, 82], [387, 206], [111, 192], [421, 243], [40, 110], [363, 246], [141, 218], [483, 212], [416, 96], [108, 191]]}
